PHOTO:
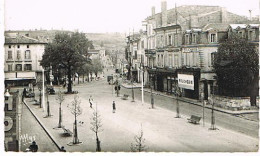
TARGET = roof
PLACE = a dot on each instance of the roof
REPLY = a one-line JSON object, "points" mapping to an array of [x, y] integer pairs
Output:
{"points": [[253, 25], [20, 39], [235, 26], [215, 26]]}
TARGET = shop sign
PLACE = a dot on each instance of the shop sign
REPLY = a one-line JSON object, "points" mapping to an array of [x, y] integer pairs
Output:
{"points": [[186, 81]]}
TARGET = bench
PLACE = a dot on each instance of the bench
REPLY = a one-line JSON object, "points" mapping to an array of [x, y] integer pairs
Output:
{"points": [[67, 132], [125, 97], [194, 119]]}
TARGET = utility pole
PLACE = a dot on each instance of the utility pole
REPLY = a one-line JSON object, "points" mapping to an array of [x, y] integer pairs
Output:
{"points": [[142, 84]]}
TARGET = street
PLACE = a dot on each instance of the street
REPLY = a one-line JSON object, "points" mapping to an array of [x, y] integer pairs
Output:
{"points": [[224, 120], [32, 131], [159, 125]]}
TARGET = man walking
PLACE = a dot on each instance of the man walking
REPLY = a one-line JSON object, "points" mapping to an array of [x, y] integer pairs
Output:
{"points": [[114, 107]]}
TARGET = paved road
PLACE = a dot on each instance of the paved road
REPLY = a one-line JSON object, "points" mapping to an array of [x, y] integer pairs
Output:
{"points": [[222, 119], [31, 130]]}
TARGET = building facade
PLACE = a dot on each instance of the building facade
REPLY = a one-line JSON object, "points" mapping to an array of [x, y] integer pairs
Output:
{"points": [[22, 60], [181, 44]]}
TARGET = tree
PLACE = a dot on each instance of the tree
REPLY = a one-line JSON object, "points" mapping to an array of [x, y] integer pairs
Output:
{"points": [[139, 144], [76, 110], [68, 50], [96, 124], [60, 98], [236, 67], [96, 66]]}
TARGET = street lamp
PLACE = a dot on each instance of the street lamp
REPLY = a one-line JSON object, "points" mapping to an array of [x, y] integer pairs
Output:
{"points": [[142, 84], [133, 94], [213, 126], [151, 86], [177, 94], [40, 89]]}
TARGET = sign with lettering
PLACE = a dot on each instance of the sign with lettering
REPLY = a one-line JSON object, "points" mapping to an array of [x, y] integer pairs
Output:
{"points": [[186, 81]]}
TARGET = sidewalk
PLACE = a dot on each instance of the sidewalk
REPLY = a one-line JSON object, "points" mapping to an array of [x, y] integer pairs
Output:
{"points": [[191, 101], [162, 131]]}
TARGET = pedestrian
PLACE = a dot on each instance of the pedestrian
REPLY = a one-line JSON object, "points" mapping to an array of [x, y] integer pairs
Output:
{"points": [[62, 149], [33, 147], [114, 107], [90, 101], [24, 93]]}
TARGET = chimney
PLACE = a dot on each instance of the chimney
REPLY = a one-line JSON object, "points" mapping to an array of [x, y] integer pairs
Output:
{"points": [[153, 11], [223, 15], [164, 12], [250, 15]]}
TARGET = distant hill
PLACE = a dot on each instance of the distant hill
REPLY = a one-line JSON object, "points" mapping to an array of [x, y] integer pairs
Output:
{"points": [[112, 41]]}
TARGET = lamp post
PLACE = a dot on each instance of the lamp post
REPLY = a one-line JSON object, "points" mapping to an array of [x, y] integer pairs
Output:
{"points": [[177, 94], [142, 84], [213, 126], [112, 84], [152, 99], [40, 89], [133, 93]]}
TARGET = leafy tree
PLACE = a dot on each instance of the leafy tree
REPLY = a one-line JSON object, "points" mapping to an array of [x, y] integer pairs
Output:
{"points": [[236, 66], [68, 50], [97, 66]]}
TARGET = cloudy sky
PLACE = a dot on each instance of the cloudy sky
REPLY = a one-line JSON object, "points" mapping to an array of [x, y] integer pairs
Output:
{"points": [[100, 15]]}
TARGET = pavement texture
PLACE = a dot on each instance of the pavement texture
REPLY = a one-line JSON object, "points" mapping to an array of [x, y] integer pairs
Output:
{"points": [[162, 131]]}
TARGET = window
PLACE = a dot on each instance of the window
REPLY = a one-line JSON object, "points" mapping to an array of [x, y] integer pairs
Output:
{"points": [[18, 46], [9, 46], [170, 60], [176, 60], [27, 46], [175, 40], [18, 67], [212, 57], [10, 67], [18, 54], [213, 38], [251, 35], [187, 39], [142, 44], [10, 55], [170, 40], [27, 67], [194, 38], [27, 54]]}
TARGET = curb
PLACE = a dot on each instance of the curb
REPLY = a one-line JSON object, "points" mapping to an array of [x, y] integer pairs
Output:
{"points": [[47, 132]]}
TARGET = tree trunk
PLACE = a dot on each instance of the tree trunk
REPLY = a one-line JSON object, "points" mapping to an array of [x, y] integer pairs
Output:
{"points": [[78, 78], [69, 90]]}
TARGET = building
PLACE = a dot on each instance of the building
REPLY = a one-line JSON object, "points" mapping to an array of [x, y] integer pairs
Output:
{"points": [[22, 60], [181, 43], [12, 121]]}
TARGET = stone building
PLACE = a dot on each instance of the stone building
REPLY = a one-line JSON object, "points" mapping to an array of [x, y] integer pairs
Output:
{"points": [[181, 43], [22, 59]]}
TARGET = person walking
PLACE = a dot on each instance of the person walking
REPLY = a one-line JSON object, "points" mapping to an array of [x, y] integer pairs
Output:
{"points": [[90, 101], [114, 107]]}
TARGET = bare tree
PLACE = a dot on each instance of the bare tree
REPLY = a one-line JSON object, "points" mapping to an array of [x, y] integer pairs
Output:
{"points": [[60, 98], [76, 110], [139, 144], [96, 124]]}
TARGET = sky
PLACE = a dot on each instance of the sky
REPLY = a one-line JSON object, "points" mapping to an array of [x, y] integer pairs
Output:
{"points": [[102, 16]]}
